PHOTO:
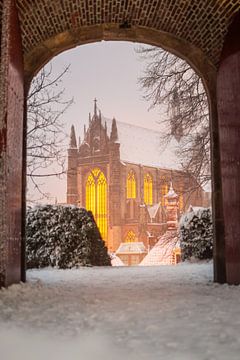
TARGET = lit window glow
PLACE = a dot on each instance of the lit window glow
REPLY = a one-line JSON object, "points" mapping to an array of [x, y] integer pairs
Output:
{"points": [[131, 237], [96, 199], [148, 189], [131, 185]]}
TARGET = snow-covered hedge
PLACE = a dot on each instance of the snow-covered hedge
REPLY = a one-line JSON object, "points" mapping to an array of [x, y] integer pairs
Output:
{"points": [[196, 234], [63, 236]]}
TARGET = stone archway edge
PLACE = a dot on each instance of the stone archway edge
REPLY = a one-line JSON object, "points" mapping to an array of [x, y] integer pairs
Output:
{"points": [[44, 52]]}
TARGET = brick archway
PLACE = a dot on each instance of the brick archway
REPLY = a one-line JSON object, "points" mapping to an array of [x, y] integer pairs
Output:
{"points": [[48, 28], [44, 52]]}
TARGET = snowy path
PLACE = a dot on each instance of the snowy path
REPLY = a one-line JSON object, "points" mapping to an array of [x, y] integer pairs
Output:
{"points": [[114, 313]]}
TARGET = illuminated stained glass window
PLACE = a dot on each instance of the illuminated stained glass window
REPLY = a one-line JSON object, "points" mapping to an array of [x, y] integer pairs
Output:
{"points": [[163, 190], [131, 185], [101, 213], [96, 199], [131, 237], [148, 189]]}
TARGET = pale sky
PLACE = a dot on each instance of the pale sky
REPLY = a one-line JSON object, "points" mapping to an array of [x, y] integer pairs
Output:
{"points": [[108, 71]]}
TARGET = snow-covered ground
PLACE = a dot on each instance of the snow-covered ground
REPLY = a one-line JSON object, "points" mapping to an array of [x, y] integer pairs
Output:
{"points": [[165, 312]]}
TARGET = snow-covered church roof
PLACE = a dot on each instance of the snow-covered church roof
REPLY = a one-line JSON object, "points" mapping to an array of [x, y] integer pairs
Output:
{"points": [[144, 146]]}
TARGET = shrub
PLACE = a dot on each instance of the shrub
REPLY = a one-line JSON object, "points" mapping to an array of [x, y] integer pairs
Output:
{"points": [[63, 236], [196, 234]]}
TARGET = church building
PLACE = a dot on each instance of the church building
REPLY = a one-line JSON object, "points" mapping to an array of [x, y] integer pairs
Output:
{"points": [[121, 173]]}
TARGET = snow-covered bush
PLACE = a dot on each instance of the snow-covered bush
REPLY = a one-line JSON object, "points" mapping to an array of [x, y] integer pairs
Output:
{"points": [[63, 236], [196, 234]]}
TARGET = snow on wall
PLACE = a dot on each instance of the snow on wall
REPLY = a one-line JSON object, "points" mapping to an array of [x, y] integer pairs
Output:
{"points": [[161, 253]]}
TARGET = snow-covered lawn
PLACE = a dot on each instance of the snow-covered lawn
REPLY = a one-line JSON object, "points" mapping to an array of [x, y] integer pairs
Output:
{"points": [[115, 313]]}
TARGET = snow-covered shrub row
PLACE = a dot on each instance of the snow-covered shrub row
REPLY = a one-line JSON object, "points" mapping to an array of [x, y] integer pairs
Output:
{"points": [[64, 237], [196, 234]]}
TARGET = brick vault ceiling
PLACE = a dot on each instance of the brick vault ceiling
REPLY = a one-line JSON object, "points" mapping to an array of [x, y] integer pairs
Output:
{"points": [[202, 23]]}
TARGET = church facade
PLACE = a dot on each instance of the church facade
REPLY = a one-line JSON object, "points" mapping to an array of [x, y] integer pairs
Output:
{"points": [[126, 198]]}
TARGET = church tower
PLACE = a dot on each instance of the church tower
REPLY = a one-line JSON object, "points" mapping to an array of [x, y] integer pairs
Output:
{"points": [[95, 142], [93, 175]]}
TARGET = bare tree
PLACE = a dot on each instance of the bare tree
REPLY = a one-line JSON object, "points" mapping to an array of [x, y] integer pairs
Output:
{"points": [[170, 82], [46, 104]]}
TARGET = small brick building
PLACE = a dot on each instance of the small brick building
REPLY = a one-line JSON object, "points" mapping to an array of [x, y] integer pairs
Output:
{"points": [[121, 174]]}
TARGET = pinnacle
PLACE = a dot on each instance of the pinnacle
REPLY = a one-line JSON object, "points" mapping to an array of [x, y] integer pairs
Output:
{"points": [[73, 140]]}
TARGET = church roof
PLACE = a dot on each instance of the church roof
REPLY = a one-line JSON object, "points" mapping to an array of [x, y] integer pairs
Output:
{"points": [[161, 253], [144, 146], [152, 210], [131, 248]]}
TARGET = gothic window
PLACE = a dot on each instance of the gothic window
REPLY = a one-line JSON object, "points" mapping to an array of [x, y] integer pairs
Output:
{"points": [[163, 190], [131, 185], [131, 236], [96, 199], [148, 189]]}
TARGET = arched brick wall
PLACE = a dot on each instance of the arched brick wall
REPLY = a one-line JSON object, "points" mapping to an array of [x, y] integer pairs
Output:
{"points": [[194, 30], [228, 91], [203, 23], [194, 56]]}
